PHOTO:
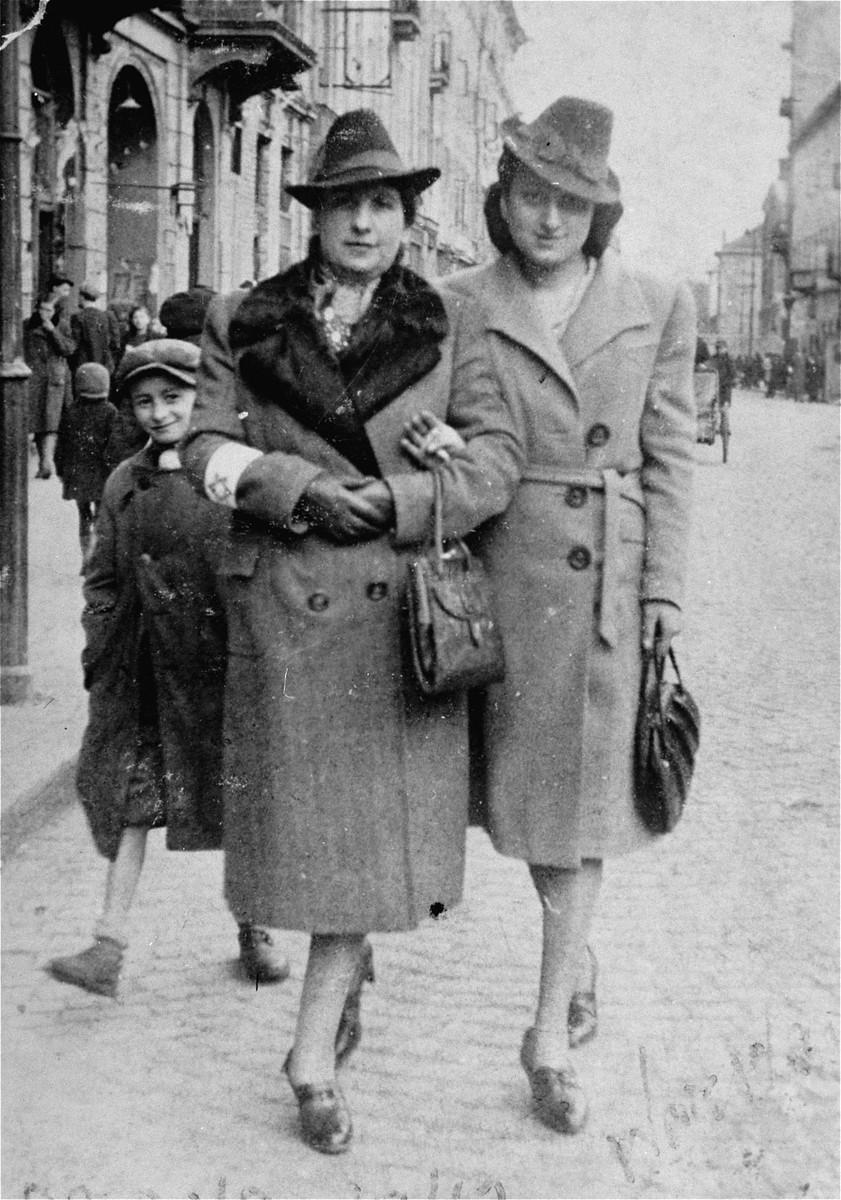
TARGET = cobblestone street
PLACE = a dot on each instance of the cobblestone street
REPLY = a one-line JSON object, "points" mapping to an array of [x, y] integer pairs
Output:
{"points": [[715, 1072]]}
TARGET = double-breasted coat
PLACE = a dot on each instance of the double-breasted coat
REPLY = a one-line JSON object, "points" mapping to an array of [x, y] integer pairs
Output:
{"points": [[154, 639], [345, 789], [599, 523], [46, 352]]}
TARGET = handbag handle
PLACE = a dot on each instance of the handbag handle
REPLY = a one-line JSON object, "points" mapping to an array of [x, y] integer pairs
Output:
{"points": [[658, 661], [457, 549]]}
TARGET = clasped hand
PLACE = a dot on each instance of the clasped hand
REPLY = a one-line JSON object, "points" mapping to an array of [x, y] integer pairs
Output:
{"points": [[348, 508]]}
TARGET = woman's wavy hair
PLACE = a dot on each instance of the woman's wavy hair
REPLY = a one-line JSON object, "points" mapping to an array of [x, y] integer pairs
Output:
{"points": [[604, 220]]}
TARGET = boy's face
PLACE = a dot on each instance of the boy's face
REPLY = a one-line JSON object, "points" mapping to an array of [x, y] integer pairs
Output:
{"points": [[162, 407]]}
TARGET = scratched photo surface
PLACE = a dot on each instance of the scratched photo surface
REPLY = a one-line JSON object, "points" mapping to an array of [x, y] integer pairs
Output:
{"points": [[152, 148]]}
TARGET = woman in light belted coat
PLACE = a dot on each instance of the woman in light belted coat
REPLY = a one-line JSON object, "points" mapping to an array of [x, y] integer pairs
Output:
{"points": [[346, 791], [588, 562]]}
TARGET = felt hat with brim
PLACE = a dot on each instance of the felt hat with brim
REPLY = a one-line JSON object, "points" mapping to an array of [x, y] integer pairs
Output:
{"points": [[358, 151], [183, 313], [89, 291], [162, 356], [567, 146]]}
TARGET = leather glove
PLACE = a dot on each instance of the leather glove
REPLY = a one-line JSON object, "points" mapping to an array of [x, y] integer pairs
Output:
{"points": [[339, 508]]}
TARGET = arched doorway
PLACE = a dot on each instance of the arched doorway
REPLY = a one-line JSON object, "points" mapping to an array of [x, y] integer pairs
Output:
{"points": [[203, 236], [133, 194], [55, 171]]}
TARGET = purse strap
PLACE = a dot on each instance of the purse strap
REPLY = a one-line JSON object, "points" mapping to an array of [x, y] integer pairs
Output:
{"points": [[658, 662]]}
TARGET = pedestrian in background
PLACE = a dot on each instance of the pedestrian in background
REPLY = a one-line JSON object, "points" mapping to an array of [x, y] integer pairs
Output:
{"points": [[97, 333], [797, 377], [154, 664], [183, 313], [47, 347], [346, 790], [589, 560], [139, 328], [813, 371], [723, 363], [83, 436]]}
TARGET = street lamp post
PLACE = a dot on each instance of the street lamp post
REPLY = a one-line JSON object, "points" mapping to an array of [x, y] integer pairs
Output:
{"points": [[15, 678]]}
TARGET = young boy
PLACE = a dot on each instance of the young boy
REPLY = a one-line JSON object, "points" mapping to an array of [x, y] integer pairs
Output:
{"points": [[154, 663], [83, 435]]}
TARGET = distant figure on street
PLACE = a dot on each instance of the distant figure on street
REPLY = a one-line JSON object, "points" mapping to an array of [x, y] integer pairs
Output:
{"points": [[183, 314], [814, 378], [139, 330], [60, 289], [97, 333], [723, 363], [702, 353], [83, 436], [47, 345], [154, 663]]}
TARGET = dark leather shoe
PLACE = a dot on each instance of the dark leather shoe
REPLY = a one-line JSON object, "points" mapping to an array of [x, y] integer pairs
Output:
{"points": [[349, 1033], [96, 969], [559, 1098], [583, 1020], [258, 958], [325, 1118]]}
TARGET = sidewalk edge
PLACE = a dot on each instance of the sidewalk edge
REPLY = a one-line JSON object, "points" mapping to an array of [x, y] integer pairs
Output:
{"points": [[36, 807]]}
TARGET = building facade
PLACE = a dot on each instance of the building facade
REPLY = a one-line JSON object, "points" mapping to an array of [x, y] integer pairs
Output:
{"points": [[157, 141], [739, 292], [814, 228]]}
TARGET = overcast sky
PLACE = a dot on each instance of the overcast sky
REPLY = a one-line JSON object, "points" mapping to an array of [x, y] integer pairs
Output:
{"points": [[695, 88]]}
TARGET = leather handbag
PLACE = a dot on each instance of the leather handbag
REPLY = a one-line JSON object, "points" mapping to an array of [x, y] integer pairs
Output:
{"points": [[454, 637], [667, 738]]}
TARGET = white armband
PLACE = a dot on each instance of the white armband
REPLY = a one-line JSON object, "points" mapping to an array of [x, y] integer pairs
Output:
{"points": [[224, 469]]}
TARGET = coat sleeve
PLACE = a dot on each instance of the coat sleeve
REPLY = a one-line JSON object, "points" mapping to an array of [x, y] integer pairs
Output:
{"points": [[61, 338], [667, 437], [217, 455], [480, 483], [101, 589]]}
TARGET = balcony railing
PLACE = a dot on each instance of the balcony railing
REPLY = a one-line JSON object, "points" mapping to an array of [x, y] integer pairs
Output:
{"points": [[245, 43], [815, 261]]}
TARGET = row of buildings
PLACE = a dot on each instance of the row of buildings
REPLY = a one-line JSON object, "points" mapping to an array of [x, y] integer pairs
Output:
{"points": [[156, 141], [779, 284]]}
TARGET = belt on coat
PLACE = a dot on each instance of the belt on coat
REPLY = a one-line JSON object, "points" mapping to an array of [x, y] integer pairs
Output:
{"points": [[616, 486]]}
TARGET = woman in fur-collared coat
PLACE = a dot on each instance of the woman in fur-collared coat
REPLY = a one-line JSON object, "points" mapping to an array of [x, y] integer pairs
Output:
{"points": [[346, 790], [588, 562]]}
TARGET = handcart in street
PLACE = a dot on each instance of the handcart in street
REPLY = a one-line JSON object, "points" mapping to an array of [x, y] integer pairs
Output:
{"points": [[713, 416]]}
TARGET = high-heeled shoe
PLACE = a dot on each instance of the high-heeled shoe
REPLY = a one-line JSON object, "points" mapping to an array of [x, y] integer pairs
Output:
{"points": [[326, 1124], [583, 1019], [349, 1033], [560, 1101]]}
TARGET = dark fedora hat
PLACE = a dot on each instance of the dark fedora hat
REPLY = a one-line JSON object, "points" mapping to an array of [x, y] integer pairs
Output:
{"points": [[567, 146], [357, 150]]}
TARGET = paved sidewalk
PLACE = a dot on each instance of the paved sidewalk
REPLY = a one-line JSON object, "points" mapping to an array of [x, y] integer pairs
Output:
{"points": [[41, 738], [715, 1072]]}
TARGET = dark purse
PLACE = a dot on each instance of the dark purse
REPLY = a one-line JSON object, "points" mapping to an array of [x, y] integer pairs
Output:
{"points": [[455, 640], [667, 737]]}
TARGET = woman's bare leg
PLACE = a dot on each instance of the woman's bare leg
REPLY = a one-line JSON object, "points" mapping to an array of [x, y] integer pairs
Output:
{"points": [[569, 900], [332, 962], [121, 884]]}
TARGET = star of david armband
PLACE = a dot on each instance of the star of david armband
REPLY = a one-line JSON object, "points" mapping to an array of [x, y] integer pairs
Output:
{"points": [[223, 471]]}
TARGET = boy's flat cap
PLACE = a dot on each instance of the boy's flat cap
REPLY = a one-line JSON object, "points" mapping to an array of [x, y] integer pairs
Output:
{"points": [[169, 356]]}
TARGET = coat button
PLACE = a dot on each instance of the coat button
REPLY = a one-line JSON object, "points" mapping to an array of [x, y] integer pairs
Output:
{"points": [[377, 591], [576, 496], [579, 558], [318, 601], [598, 435]]}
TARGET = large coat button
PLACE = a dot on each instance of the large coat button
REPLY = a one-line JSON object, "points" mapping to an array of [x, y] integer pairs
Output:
{"points": [[579, 558], [318, 601], [598, 435], [576, 496], [377, 591]]}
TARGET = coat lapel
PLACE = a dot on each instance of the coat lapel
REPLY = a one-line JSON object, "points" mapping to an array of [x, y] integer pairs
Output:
{"points": [[612, 303], [510, 311]]}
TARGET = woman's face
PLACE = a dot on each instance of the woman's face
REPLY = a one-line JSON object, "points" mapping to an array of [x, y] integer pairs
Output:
{"points": [[361, 229], [140, 320], [548, 227]]}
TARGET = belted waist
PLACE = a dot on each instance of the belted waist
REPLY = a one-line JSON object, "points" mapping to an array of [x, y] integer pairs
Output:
{"points": [[616, 487]]}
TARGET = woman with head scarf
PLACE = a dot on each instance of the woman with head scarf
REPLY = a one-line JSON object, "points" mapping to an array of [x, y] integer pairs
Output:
{"points": [[589, 560], [346, 790]]}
